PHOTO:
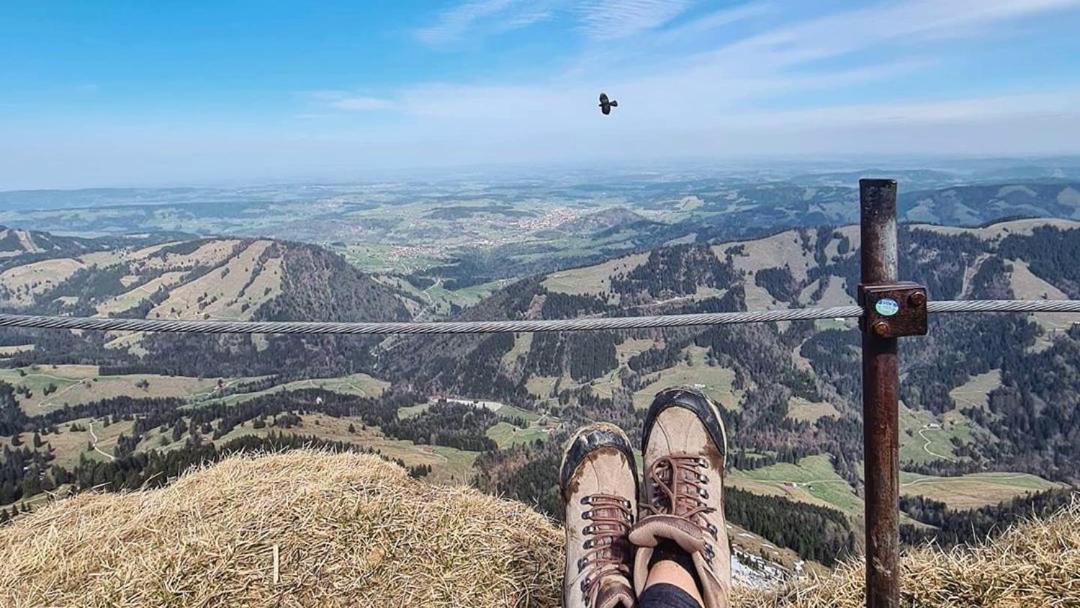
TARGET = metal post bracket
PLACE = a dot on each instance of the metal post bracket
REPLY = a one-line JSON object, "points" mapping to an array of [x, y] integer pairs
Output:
{"points": [[893, 310]]}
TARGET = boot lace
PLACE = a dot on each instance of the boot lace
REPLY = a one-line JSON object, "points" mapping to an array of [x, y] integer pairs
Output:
{"points": [[678, 488], [607, 548]]}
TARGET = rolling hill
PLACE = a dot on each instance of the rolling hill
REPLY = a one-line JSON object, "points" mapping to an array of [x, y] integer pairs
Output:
{"points": [[492, 410], [218, 279], [790, 392]]}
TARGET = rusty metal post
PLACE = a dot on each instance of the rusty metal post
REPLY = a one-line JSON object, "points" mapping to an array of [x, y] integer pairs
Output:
{"points": [[881, 379]]}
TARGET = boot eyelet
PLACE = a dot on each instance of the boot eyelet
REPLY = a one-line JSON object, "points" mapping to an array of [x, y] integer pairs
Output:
{"points": [[703, 479], [702, 463], [586, 500], [581, 563], [586, 515], [703, 493], [584, 584]]}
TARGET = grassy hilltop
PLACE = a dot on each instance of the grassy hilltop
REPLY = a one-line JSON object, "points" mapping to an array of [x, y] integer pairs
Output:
{"points": [[308, 528]]}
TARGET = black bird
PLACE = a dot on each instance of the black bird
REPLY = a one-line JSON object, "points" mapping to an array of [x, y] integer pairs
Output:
{"points": [[606, 105]]}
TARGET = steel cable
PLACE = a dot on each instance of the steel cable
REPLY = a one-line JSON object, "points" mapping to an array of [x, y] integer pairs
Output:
{"points": [[486, 327]]}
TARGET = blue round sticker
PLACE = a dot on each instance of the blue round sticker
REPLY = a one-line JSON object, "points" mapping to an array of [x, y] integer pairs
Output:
{"points": [[887, 307]]}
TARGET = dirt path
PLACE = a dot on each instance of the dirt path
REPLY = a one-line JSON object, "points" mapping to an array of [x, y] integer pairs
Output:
{"points": [[926, 446], [94, 441], [429, 451], [953, 479], [47, 401]]}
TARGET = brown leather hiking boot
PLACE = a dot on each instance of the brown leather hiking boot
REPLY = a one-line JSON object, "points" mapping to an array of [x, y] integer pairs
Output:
{"points": [[598, 478], [684, 445]]}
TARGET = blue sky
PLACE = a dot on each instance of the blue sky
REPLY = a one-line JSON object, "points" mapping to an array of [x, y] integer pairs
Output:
{"points": [[176, 92]]}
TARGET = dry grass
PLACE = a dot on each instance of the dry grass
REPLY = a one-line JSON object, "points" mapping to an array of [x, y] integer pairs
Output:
{"points": [[350, 530], [223, 291], [1034, 564]]}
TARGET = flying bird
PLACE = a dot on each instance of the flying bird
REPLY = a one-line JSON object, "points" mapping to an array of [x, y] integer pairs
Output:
{"points": [[606, 104]]}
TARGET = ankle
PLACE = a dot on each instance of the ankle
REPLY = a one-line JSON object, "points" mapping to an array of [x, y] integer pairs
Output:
{"points": [[666, 572], [670, 551]]}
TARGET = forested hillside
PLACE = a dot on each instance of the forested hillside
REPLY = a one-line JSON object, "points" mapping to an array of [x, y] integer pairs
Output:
{"points": [[982, 393], [989, 409]]}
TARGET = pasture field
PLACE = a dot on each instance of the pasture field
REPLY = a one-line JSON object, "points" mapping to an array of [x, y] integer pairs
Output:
{"points": [[361, 385], [813, 480], [809, 411], [510, 411], [70, 446], [75, 384], [541, 386], [925, 437], [506, 434], [716, 382], [974, 490], [975, 392], [520, 350], [7, 351], [592, 280]]}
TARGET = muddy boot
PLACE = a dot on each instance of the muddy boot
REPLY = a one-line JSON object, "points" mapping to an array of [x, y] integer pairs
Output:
{"points": [[598, 478], [682, 508]]}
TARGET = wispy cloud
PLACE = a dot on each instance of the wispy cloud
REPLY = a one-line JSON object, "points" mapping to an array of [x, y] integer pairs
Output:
{"points": [[499, 15], [910, 21], [343, 100], [596, 19], [774, 77], [611, 19]]}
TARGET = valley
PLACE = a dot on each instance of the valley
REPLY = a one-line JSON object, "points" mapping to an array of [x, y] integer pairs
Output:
{"points": [[80, 410]]}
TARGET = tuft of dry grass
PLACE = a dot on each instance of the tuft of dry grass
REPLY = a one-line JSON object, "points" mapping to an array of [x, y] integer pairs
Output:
{"points": [[353, 530], [1036, 563], [348, 530]]}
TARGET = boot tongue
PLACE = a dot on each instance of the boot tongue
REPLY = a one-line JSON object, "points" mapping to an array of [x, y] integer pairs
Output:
{"points": [[614, 592], [649, 531]]}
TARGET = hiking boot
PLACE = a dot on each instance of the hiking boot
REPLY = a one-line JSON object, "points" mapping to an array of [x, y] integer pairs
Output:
{"points": [[599, 485], [684, 445]]}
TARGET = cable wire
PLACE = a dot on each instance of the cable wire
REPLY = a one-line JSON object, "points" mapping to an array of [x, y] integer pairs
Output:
{"points": [[488, 327]]}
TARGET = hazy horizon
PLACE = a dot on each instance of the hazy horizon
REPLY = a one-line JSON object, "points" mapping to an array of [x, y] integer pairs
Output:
{"points": [[114, 94]]}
